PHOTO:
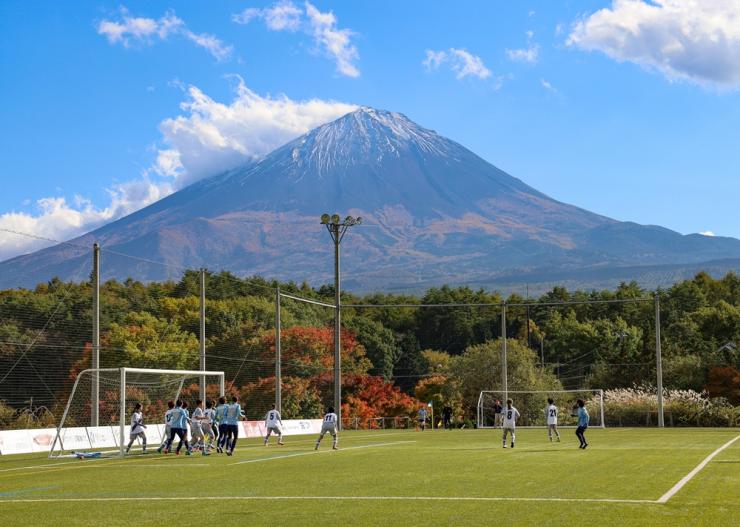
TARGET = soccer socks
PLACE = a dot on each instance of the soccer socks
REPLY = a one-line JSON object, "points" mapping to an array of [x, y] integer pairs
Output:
{"points": [[334, 443]]}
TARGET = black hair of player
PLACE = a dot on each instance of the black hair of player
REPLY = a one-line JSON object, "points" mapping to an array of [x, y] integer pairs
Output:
{"points": [[184, 404], [331, 410], [222, 400], [178, 403], [549, 400], [198, 402], [509, 402], [137, 406], [580, 403], [170, 404], [209, 404], [234, 399]]}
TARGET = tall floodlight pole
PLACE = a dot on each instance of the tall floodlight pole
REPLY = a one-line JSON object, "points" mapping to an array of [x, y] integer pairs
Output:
{"points": [[203, 333], [278, 373], [95, 406], [504, 362], [337, 229], [658, 361]]}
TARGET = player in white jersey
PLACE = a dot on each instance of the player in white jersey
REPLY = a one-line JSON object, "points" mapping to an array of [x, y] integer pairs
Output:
{"points": [[167, 425], [551, 414], [273, 423], [196, 427], [329, 424], [510, 414], [137, 428], [209, 425]]}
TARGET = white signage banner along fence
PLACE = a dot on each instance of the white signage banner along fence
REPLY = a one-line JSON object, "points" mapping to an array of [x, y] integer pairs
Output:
{"points": [[91, 438]]}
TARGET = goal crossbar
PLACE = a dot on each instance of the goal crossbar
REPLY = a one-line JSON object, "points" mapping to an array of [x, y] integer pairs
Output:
{"points": [[121, 376]]}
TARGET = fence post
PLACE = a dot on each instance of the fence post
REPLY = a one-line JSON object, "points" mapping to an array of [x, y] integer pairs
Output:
{"points": [[504, 366]]}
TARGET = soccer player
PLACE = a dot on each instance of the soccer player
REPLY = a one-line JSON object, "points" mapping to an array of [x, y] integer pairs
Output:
{"points": [[137, 428], [510, 415], [423, 418], [209, 425], [329, 425], [167, 427], [196, 427], [222, 427], [447, 416], [551, 414], [273, 423], [583, 419], [497, 413], [179, 428], [233, 414]]}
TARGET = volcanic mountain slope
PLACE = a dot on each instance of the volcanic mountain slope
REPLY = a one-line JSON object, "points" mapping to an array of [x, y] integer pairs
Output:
{"points": [[434, 212]]}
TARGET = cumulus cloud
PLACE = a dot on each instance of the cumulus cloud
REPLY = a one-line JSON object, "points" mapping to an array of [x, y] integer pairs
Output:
{"points": [[212, 136], [130, 30], [54, 218], [208, 137], [527, 54], [282, 16], [460, 61], [323, 27], [694, 40]]}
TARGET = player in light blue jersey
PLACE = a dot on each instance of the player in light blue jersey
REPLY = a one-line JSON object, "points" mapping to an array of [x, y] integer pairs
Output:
{"points": [[221, 423], [233, 414], [583, 419], [179, 428]]}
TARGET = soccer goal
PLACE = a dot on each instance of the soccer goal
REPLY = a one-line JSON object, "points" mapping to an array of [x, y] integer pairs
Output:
{"points": [[532, 404], [87, 426]]}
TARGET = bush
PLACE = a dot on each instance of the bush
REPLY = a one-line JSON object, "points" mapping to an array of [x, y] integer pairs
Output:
{"points": [[639, 407]]}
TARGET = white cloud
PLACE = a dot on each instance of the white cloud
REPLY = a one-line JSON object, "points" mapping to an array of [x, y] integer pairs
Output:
{"points": [[130, 30], [707, 233], [212, 136], [462, 62], [282, 16], [208, 138], [694, 40], [328, 38], [528, 54], [549, 87], [56, 219]]}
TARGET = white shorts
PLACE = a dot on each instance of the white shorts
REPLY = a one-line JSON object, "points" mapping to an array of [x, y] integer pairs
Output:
{"points": [[552, 425], [508, 429], [329, 428], [275, 429], [196, 432], [141, 435]]}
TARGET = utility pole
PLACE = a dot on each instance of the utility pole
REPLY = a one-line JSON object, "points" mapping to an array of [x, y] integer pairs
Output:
{"points": [[337, 229], [95, 403], [278, 373], [504, 366], [202, 333], [659, 361]]}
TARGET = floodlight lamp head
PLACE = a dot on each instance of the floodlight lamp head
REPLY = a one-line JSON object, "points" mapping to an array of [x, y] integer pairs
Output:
{"points": [[325, 219], [335, 219]]}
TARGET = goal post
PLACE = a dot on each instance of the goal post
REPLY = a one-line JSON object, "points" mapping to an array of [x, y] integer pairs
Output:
{"points": [[532, 404], [119, 390]]}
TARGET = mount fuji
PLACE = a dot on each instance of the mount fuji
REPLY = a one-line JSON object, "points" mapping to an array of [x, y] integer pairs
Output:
{"points": [[434, 212]]}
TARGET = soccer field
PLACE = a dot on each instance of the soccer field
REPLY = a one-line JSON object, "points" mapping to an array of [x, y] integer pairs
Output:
{"points": [[625, 477]]}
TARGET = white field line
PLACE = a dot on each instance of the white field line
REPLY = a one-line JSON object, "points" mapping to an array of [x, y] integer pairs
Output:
{"points": [[89, 461], [678, 486], [325, 498], [312, 452]]}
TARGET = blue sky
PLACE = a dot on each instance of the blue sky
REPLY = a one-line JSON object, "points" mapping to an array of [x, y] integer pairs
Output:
{"points": [[614, 107]]}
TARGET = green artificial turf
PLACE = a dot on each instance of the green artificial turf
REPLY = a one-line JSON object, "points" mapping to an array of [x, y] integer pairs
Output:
{"points": [[392, 467]]}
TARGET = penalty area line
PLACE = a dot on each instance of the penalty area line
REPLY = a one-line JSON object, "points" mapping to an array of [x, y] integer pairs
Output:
{"points": [[688, 477], [312, 452]]}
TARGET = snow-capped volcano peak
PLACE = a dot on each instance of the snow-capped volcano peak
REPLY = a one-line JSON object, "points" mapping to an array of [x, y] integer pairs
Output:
{"points": [[364, 136]]}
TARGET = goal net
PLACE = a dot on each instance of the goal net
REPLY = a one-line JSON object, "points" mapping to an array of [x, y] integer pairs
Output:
{"points": [[97, 416], [532, 405]]}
